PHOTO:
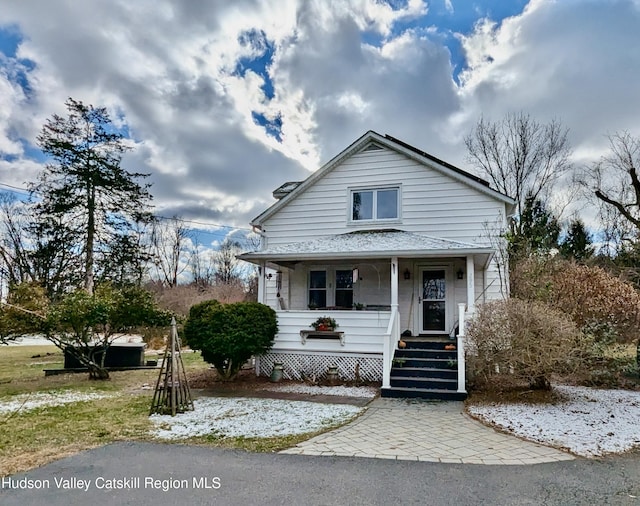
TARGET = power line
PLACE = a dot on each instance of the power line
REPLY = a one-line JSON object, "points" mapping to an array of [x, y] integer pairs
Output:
{"points": [[202, 223], [17, 189]]}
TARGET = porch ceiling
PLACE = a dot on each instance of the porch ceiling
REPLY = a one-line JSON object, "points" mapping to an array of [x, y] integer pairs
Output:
{"points": [[368, 244]]}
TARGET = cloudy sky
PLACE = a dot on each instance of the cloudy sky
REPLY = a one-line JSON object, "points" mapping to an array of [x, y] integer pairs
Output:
{"points": [[225, 100]]}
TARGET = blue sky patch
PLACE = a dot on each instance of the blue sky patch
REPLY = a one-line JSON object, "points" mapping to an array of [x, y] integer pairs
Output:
{"points": [[10, 38], [273, 127], [257, 40], [17, 69], [461, 19]]}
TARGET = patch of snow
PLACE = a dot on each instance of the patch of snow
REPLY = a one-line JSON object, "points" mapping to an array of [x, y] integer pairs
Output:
{"points": [[40, 340], [590, 422], [32, 340], [340, 390], [26, 402], [374, 241], [249, 417]]}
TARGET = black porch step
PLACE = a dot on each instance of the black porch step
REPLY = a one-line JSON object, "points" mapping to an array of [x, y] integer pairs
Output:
{"points": [[423, 344], [428, 363], [425, 369], [426, 353], [425, 372], [422, 393], [424, 383]]}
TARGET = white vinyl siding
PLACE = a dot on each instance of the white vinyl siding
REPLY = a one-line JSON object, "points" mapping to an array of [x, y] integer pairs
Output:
{"points": [[431, 203], [363, 331]]}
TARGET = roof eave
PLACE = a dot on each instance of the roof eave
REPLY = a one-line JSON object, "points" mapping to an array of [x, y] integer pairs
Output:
{"points": [[318, 174], [259, 256]]}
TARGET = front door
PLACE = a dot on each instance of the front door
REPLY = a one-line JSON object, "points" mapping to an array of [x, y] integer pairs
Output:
{"points": [[433, 300]]}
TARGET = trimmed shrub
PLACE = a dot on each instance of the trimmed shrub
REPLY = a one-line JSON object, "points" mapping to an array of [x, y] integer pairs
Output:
{"points": [[229, 335], [525, 339]]}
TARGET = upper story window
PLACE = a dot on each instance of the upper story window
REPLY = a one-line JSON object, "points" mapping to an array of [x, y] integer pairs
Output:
{"points": [[375, 204]]}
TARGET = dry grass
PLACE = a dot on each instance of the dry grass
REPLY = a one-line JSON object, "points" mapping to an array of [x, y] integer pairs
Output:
{"points": [[504, 389], [24, 363], [179, 299], [38, 457], [40, 435]]}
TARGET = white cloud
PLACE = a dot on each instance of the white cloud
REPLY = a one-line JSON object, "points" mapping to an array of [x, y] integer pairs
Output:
{"points": [[575, 61], [171, 68]]}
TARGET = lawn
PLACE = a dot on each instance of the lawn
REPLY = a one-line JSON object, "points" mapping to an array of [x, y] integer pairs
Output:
{"points": [[37, 428], [31, 437]]}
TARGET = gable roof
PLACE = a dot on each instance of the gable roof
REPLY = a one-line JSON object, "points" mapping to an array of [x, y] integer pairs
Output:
{"points": [[395, 145]]}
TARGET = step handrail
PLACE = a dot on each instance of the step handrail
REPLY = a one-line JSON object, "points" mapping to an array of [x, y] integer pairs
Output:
{"points": [[460, 349]]}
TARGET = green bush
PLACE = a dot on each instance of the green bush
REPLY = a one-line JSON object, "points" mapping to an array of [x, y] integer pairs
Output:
{"points": [[229, 335], [24, 313], [83, 324]]}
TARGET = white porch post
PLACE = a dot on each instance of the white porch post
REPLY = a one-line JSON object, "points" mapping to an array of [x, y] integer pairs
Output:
{"points": [[394, 283], [261, 284], [388, 345], [471, 282]]}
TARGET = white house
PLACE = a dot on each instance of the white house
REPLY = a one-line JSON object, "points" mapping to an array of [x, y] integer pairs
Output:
{"points": [[388, 241]]}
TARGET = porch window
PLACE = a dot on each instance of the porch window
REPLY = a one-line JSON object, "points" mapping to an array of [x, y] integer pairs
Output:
{"points": [[344, 288], [317, 289], [375, 204]]}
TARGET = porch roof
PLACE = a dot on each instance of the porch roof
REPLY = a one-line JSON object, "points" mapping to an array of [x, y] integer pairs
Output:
{"points": [[368, 244]]}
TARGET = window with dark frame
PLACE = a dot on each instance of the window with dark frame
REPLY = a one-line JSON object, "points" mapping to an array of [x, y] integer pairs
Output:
{"points": [[344, 288], [317, 289]]}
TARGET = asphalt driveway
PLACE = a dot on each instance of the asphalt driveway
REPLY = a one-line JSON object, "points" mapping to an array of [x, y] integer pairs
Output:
{"points": [[162, 474]]}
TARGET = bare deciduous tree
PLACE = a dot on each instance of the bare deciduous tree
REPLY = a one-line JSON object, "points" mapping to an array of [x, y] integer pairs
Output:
{"points": [[520, 156], [200, 266], [614, 179], [16, 266], [227, 266], [169, 247], [42, 251]]}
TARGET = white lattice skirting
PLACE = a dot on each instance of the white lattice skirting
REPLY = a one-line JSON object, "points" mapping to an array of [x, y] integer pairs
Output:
{"points": [[299, 366]]}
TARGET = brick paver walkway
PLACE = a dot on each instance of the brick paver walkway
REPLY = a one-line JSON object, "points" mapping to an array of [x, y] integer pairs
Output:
{"points": [[425, 431]]}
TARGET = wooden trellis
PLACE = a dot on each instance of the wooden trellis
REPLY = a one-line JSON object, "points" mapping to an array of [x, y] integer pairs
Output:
{"points": [[172, 394]]}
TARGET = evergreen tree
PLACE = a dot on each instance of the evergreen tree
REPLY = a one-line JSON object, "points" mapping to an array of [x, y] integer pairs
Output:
{"points": [[539, 230], [577, 242], [85, 191]]}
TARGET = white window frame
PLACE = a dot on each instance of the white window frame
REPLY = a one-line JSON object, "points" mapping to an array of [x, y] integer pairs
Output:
{"points": [[375, 190]]}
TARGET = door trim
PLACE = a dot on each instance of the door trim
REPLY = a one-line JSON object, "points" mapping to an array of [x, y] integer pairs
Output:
{"points": [[449, 297]]}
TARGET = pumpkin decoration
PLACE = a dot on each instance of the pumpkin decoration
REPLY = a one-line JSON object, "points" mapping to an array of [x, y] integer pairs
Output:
{"points": [[402, 344], [450, 347]]}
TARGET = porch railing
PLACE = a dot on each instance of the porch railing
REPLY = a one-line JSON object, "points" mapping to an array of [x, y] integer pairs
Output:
{"points": [[460, 348], [391, 338]]}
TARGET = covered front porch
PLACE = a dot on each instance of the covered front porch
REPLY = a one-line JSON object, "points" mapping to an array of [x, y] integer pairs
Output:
{"points": [[410, 285]]}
